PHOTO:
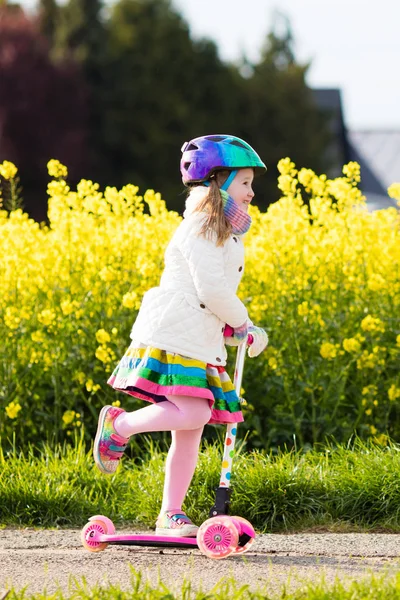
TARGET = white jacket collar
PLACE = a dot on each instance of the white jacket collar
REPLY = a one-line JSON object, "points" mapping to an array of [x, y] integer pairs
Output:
{"points": [[196, 195]]}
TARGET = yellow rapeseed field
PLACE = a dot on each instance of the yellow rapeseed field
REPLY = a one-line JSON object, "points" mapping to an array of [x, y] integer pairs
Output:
{"points": [[322, 276]]}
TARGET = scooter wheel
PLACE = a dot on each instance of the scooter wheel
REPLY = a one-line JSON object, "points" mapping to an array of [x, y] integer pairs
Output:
{"points": [[95, 525], [107, 522], [217, 537], [244, 528]]}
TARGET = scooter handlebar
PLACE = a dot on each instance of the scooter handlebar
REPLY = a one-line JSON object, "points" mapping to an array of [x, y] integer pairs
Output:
{"points": [[229, 331]]}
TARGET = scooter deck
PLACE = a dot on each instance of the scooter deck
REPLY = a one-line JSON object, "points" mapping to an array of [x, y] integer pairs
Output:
{"points": [[147, 540]]}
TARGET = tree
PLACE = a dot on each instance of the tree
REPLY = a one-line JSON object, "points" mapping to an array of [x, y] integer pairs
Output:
{"points": [[282, 118], [162, 89], [48, 18], [43, 110], [81, 37]]}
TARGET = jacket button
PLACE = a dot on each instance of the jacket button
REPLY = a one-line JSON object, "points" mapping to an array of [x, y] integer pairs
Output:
{"points": [[218, 359], [235, 239], [240, 268], [202, 305]]}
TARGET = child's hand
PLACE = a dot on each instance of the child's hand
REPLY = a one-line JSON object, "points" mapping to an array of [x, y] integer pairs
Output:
{"points": [[260, 340], [235, 336]]}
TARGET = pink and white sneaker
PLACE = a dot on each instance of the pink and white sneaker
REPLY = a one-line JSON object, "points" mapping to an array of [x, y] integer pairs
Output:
{"points": [[175, 524], [109, 446]]}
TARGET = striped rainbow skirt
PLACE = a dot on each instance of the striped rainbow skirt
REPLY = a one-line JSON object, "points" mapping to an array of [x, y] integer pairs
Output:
{"points": [[151, 374]]}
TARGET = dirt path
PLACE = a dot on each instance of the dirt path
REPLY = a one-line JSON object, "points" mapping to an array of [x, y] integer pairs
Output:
{"points": [[45, 559]]}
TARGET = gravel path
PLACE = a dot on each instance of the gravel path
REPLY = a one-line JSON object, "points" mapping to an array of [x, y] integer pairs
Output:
{"points": [[45, 558]]}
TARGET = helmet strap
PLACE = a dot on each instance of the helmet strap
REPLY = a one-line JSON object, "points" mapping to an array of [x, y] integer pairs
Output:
{"points": [[227, 183]]}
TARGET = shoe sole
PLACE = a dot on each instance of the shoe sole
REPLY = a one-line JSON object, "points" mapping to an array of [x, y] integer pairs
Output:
{"points": [[176, 533], [96, 452]]}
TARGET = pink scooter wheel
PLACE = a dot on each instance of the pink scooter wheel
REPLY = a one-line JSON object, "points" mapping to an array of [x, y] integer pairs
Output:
{"points": [[99, 524], [218, 537], [107, 522], [244, 527]]}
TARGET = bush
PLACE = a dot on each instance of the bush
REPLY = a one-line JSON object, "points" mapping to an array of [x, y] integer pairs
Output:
{"points": [[322, 276]]}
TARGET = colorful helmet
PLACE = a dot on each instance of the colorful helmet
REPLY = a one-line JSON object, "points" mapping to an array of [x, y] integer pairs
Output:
{"points": [[206, 154]]}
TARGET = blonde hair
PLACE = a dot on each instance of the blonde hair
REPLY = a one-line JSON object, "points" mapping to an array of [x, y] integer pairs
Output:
{"points": [[216, 221]]}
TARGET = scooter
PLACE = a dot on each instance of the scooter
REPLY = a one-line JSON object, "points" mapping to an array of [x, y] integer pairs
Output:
{"points": [[218, 537]]}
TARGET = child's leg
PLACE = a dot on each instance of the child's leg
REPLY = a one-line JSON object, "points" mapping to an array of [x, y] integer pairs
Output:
{"points": [[179, 467], [115, 426], [179, 412]]}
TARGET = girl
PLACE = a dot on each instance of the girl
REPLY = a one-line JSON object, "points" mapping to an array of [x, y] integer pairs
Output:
{"points": [[177, 355]]}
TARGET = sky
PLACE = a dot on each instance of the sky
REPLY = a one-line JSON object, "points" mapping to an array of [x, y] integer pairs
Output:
{"points": [[353, 45]]}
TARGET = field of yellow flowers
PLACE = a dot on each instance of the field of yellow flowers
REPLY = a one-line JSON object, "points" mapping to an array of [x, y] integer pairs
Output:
{"points": [[322, 276]]}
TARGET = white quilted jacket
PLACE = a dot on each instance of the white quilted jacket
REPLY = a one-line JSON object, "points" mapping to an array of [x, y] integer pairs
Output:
{"points": [[196, 297]]}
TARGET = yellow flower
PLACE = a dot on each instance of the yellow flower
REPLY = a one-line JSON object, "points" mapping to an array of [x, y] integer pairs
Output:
{"points": [[368, 411], [92, 387], [87, 188], [370, 390], [328, 350], [47, 316], [13, 409], [376, 282], [303, 309], [373, 429], [104, 354], [368, 360], [68, 307], [57, 188], [351, 345], [273, 363], [394, 191], [286, 166], [80, 377], [56, 169], [116, 403], [8, 170], [352, 171], [12, 317], [398, 340], [102, 336], [68, 417], [287, 184], [393, 393], [106, 274], [37, 336], [381, 439], [370, 323], [130, 300], [305, 177]]}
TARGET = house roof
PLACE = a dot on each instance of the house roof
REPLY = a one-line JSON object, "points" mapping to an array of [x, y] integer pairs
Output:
{"points": [[381, 148], [376, 151]]}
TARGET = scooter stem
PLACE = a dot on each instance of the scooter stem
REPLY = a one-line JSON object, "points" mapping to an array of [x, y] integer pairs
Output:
{"points": [[222, 500]]}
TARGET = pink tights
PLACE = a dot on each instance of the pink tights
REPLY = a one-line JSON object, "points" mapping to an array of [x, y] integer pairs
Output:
{"points": [[185, 417]]}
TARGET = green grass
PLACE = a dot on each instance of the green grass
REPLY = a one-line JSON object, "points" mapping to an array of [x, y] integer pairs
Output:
{"points": [[341, 488], [371, 587]]}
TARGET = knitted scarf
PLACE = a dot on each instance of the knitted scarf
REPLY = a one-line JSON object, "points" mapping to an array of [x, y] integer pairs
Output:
{"points": [[239, 219]]}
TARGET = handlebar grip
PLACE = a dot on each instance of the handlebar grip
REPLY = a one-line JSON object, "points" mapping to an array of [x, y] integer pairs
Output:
{"points": [[229, 331]]}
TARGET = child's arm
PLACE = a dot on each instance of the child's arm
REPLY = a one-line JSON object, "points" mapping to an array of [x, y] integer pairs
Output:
{"points": [[206, 265]]}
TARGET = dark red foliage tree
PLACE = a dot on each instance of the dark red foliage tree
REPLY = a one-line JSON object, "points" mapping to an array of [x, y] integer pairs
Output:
{"points": [[43, 107]]}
